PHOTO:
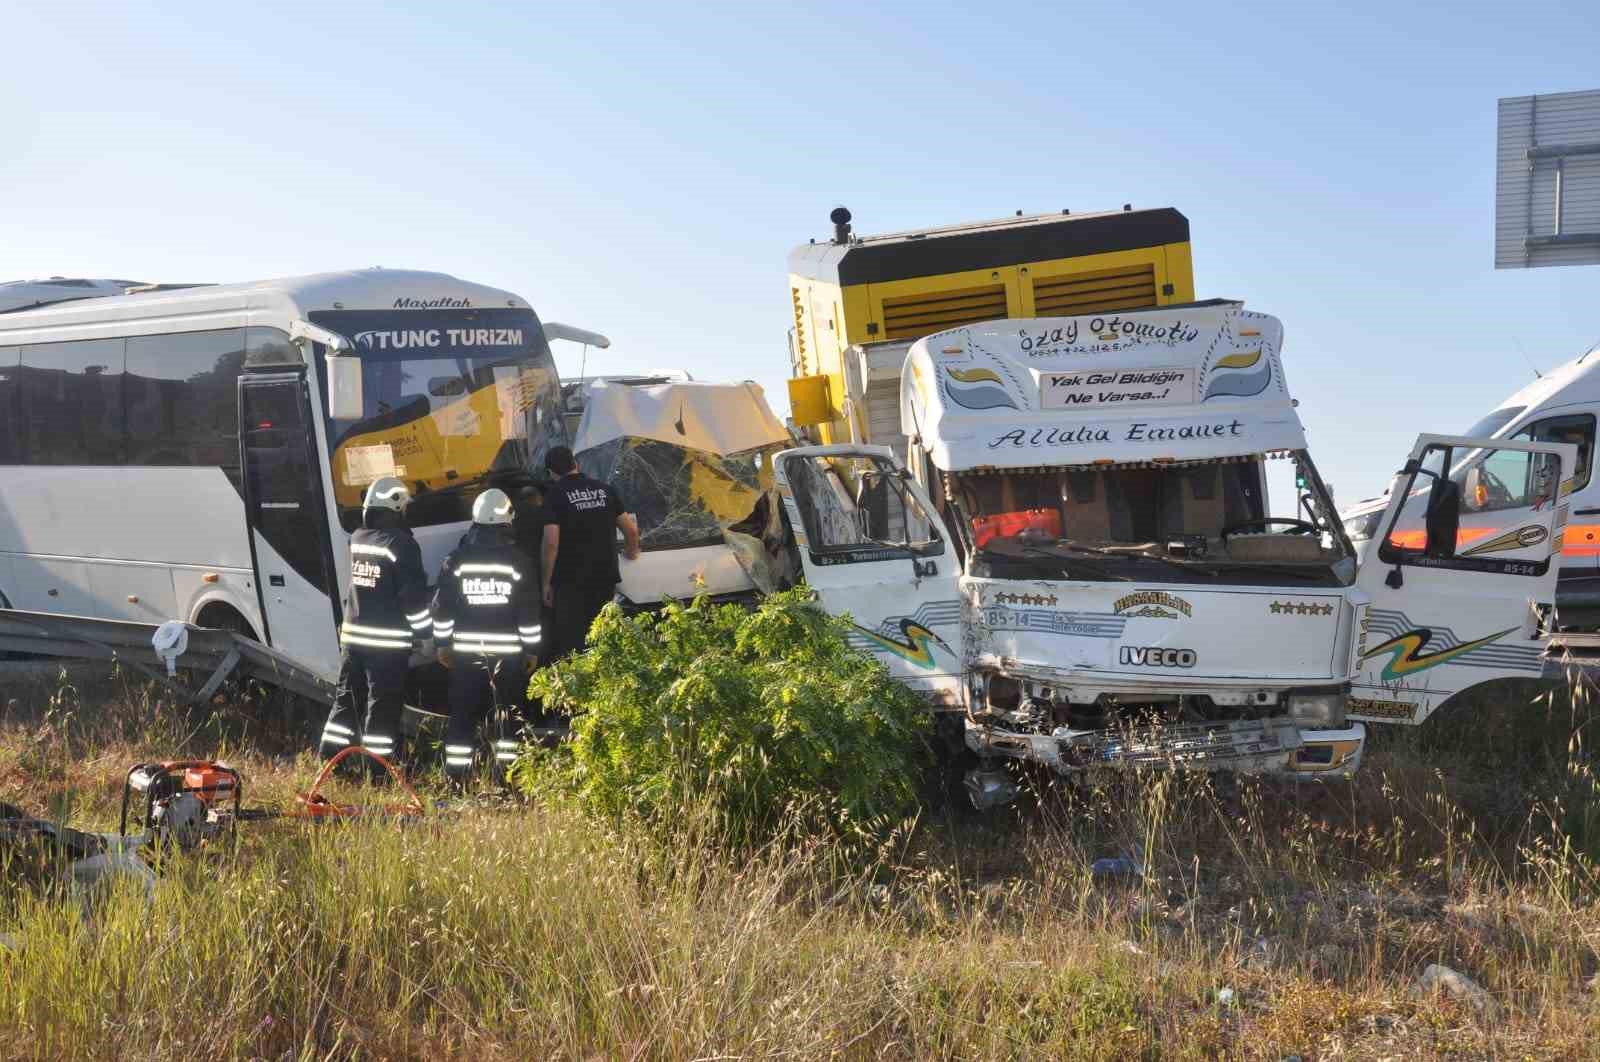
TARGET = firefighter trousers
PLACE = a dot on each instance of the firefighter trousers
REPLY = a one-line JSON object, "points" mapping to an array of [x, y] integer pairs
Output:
{"points": [[479, 686], [366, 709]]}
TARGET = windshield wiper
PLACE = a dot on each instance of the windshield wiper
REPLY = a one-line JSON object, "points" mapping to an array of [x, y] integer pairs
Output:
{"points": [[1294, 572], [1064, 544], [1138, 554], [1093, 569]]}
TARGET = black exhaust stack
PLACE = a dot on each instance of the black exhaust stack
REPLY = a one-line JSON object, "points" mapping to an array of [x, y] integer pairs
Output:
{"points": [[840, 216]]}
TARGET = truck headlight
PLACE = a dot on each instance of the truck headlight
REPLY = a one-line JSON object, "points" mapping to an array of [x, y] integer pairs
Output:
{"points": [[1361, 528], [988, 689], [1318, 709]]}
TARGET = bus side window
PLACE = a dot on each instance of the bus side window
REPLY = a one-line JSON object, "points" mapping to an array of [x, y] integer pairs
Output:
{"points": [[182, 392], [72, 402]]}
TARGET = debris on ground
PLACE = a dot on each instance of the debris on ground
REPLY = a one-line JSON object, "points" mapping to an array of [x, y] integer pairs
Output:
{"points": [[1439, 979], [1263, 954], [1129, 866], [118, 858], [91, 861]]}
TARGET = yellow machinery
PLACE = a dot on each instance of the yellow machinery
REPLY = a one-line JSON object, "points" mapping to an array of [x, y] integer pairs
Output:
{"points": [[865, 293]]}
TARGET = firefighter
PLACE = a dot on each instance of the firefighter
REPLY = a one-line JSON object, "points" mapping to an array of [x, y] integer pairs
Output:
{"points": [[387, 611], [487, 628]]}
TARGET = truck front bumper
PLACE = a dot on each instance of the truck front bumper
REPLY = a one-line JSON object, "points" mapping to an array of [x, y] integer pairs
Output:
{"points": [[1252, 746]]}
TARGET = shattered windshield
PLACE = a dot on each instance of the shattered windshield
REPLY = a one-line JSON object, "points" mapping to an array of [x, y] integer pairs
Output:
{"points": [[454, 401], [684, 497], [1207, 521]]}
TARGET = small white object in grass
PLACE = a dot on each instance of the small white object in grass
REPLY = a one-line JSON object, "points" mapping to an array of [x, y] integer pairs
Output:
{"points": [[1441, 979], [1226, 997]]}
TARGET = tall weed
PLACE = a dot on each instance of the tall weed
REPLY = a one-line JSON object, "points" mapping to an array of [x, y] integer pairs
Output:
{"points": [[770, 714]]}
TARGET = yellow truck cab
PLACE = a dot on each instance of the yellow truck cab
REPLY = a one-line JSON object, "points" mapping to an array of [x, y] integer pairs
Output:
{"points": [[861, 301]]}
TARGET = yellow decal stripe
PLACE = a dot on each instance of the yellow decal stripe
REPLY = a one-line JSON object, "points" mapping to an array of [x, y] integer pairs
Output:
{"points": [[1239, 361]]}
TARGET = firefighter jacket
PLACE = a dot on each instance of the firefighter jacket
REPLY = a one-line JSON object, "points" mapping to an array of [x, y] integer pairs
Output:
{"points": [[487, 599], [388, 603]]}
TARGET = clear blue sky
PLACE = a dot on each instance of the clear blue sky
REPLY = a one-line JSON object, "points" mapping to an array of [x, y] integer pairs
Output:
{"points": [[645, 170]]}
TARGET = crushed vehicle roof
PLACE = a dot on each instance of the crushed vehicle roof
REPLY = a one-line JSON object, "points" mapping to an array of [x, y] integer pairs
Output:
{"points": [[714, 417]]}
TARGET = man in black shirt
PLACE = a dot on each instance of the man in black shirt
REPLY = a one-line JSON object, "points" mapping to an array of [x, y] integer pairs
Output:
{"points": [[581, 519]]}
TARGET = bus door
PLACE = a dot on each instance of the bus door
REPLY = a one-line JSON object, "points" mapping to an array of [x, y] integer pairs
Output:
{"points": [[289, 543]]}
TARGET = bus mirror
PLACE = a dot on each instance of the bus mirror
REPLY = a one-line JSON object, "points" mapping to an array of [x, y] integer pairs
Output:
{"points": [[344, 387]]}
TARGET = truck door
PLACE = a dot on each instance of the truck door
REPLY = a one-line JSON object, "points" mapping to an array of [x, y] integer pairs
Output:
{"points": [[284, 506], [1578, 586], [873, 548], [1463, 576]]}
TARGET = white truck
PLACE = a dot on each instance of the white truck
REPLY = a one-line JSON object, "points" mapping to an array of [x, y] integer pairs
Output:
{"points": [[1080, 563], [1560, 405]]}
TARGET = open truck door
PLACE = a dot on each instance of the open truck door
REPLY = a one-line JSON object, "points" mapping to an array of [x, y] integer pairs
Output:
{"points": [[1462, 579], [873, 547]]}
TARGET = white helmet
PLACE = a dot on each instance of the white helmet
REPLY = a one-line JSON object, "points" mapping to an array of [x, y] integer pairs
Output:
{"points": [[387, 493], [492, 507]]}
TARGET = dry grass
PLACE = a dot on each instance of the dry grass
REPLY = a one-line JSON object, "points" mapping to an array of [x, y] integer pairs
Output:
{"points": [[530, 931]]}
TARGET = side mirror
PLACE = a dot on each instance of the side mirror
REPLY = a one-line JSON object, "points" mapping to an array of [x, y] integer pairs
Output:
{"points": [[1443, 518], [344, 369], [1477, 493], [344, 387]]}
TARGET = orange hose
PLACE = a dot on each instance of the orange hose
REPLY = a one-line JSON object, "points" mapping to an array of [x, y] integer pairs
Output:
{"points": [[313, 805]]}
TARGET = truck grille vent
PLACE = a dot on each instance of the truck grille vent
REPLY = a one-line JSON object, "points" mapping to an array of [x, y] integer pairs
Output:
{"points": [[1127, 288], [915, 316]]}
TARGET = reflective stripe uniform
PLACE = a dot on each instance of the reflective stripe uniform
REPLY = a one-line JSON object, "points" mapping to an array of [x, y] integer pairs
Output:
{"points": [[387, 610], [486, 611]]}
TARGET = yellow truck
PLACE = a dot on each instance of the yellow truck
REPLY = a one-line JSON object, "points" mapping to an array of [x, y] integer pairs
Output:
{"points": [[861, 301]]}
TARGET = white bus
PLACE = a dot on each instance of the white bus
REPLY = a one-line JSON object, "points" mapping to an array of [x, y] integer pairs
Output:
{"points": [[172, 453]]}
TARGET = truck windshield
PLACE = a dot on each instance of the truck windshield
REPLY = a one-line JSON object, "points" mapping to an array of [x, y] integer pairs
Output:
{"points": [[1197, 522], [455, 401], [1491, 424]]}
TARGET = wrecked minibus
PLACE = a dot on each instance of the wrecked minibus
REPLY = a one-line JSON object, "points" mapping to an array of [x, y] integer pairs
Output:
{"points": [[694, 462], [1108, 545]]}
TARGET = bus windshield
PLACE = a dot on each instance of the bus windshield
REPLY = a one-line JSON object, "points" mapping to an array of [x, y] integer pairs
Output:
{"points": [[455, 401]]}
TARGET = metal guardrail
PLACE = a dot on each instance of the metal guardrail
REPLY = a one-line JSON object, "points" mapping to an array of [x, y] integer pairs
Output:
{"points": [[216, 653]]}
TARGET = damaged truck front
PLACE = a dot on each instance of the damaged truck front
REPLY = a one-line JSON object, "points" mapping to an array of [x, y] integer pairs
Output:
{"points": [[1081, 566]]}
